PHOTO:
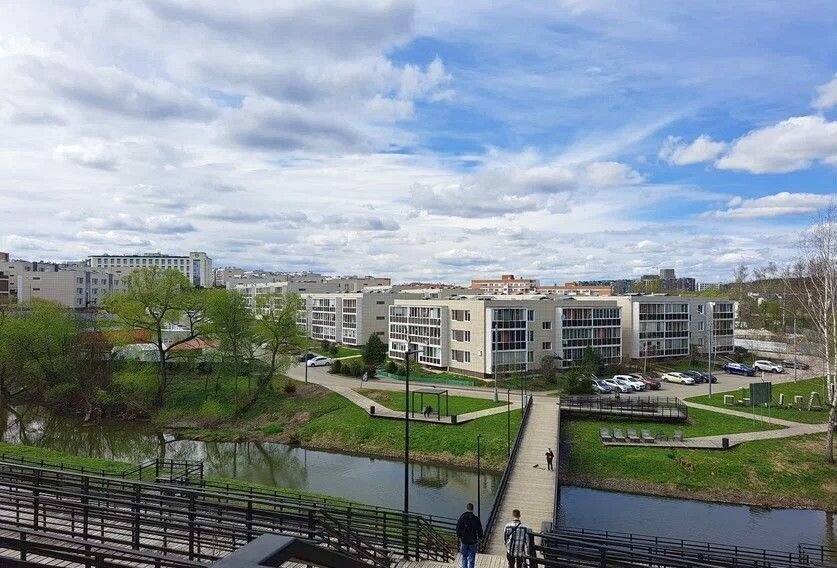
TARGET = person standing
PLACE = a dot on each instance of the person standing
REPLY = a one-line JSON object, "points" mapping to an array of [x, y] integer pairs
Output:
{"points": [[549, 457], [515, 536], [469, 533]]}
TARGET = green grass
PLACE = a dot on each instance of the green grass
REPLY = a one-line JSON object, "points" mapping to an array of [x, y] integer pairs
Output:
{"points": [[457, 404], [791, 389], [32, 453], [316, 346], [443, 378], [535, 384], [783, 472]]}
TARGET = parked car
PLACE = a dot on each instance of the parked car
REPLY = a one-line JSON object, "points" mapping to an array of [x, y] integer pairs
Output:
{"points": [[681, 378], [708, 377], [307, 357], [740, 350], [739, 369], [791, 364], [770, 366], [319, 361], [650, 382], [696, 375], [618, 385], [600, 387], [635, 383]]}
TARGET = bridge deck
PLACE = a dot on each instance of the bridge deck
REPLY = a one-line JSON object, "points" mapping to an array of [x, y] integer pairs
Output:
{"points": [[531, 488]]}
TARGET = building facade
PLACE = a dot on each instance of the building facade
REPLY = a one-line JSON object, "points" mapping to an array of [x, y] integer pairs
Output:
{"points": [[347, 318], [74, 288], [196, 266], [572, 289], [310, 285], [5, 295], [13, 268], [507, 284], [500, 335]]}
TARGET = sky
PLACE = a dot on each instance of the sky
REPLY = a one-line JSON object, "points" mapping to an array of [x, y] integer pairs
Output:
{"points": [[432, 140]]}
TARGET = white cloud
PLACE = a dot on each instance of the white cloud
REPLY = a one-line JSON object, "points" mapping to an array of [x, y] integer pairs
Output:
{"points": [[89, 154], [462, 258], [793, 144], [776, 205], [610, 174], [701, 149], [826, 95]]}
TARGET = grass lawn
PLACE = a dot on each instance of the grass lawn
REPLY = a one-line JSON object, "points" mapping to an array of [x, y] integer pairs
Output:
{"points": [[783, 472], [534, 384], [791, 389], [342, 350], [443, 378], [458, 404]]}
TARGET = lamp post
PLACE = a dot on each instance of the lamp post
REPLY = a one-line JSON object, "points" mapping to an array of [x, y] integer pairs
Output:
{"points": [[508, 421], [407, 428], [709, 325], [479, 483], [305, 362]]}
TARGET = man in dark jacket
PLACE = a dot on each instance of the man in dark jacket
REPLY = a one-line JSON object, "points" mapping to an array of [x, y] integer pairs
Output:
{"points": [[469, 533]]}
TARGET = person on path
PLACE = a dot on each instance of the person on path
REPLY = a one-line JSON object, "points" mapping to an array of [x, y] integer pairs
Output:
{"points": [[549, 457], [515, 536], [469, 533]]}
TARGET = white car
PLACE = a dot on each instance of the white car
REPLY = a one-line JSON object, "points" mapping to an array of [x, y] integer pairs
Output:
{"points": [[675, 377], [319, 361], [617, 385], [633, 382], [770, 366]]}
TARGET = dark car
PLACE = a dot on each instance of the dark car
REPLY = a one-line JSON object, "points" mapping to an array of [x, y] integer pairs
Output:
{"points": [[696, 375], [306, 357], [739, 369], [740, 350], [791, 364], [708, 376], [650, 382]]}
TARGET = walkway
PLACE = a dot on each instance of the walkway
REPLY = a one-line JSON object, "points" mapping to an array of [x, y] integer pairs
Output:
{"points": [[382, 411], [531, 488], [483, 561]]}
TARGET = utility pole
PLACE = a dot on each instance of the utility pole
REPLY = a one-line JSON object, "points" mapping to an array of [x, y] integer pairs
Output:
{"points": [[710, 322], [794, 350]]}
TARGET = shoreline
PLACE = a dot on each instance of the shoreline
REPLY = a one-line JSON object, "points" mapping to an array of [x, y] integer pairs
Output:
{"points": [[707, 496]]}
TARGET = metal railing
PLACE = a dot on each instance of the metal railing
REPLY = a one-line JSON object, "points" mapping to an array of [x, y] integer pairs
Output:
{"points": [[818, 554], [653, 407], [199, 523], [182, 471], [504, 480]]}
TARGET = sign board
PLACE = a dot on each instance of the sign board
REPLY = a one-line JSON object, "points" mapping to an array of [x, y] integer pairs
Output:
{"points": [[761, 393]]}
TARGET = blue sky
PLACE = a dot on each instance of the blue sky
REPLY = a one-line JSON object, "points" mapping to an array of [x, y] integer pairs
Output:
{"points": [[428, 141]]}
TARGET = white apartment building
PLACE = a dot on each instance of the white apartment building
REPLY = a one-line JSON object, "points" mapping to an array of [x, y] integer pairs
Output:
{"points": [[196, 266], [660, 326], [5, 295], [74, 288], [484, 335], [13, 268], [311, 285], [348, 318]]}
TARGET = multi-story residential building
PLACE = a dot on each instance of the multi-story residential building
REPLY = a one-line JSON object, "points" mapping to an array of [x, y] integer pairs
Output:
{"points": [[573, 289], [12, 268], [660, 326], [74, 288], [5, 295], [196, 266], [706, 286], [487, 335], [348, 318], [222, 275], [311, 285], [507, 284]]}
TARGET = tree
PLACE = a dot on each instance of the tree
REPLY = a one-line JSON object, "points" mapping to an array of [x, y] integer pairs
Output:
{"points": [[276, 330], [154, 300], [233, 324], [816, 280], [374, 352], [591, 362]]}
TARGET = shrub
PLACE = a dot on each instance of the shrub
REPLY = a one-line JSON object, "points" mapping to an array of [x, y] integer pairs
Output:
{"points": [[575, 383], [326, 345], [401, 370], [333, 350], [353, 367], [336, 366], [391, 367], [289, 388], [61, 395]]}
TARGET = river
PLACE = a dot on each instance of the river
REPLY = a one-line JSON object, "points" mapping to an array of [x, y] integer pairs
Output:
{"points": [[434, 490]]}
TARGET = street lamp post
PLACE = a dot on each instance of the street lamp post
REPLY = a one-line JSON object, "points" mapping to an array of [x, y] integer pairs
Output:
{"points": [[407, 428], [479, 500], [709, 328], [508, 421], [305, 362]]}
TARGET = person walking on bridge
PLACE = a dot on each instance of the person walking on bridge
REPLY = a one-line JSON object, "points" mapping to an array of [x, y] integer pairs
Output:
{"points": [[549, 457], [469, 533], [516, 537]]}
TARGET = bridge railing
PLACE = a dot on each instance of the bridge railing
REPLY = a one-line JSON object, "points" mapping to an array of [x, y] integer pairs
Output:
{"points": [[653, 407], [200, 523], [181, 471], [504, 479]]}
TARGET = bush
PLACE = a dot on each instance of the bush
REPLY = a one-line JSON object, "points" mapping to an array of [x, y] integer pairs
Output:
{"points": [[352, 367], [333, 350], [401, 370], [289, 388], [134, 389], [575, 383], [336, 366], [326, 345], [61, 395], [391, 367]]}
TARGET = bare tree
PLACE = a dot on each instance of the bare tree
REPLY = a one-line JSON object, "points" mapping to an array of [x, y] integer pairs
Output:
{"points": [[816, 273]]}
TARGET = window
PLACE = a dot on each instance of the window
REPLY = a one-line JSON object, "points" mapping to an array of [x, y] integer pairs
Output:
{"points": [[380, 302], [380, 317], [460, 335], [700, 309], [700, 325], [531, 336], [460, 356], [530, 315], [547, 325], [530, 357], [547, 346], [460, 315]]}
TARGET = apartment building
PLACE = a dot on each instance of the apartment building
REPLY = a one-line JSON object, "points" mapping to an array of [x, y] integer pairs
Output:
{"points": [[348, 318], [507, 284], [660, 326], [5, 296], [487, 335], [573, 289], [311, 285], [74, 288], [14, 267], [223, 275], [196, 266]]}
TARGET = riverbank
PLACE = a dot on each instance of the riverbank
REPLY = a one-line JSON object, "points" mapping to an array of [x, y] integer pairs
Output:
{"points": [[788, 472]]}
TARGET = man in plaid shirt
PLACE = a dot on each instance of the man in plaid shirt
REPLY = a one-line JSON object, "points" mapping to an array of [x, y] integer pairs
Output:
{"points": [[515, 535]]}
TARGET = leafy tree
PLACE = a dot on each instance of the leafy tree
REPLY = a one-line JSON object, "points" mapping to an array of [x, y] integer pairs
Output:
{"points": [[233, 324], [548, 368], [276, 330], [591, 363], [155, 299], [374, 352]]}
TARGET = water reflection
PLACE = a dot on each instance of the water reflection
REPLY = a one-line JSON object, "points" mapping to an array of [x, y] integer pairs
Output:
{"points": [[433, 489]]}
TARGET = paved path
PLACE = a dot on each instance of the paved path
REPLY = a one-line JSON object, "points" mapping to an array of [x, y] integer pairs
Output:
{"points": [[382, 411], [483, 561], [742, 414], [530, 489]]}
